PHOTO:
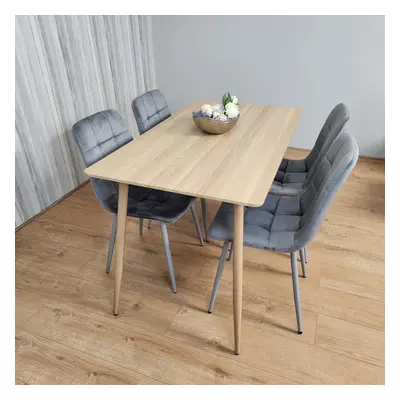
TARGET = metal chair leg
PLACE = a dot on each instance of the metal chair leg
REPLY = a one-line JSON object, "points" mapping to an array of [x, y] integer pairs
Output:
{"points": [[305, 254], [302, 259], [112, 242], [230, 252], [296, 290], [141, 226], [169, 258], [218, 276], [196, 223], [149, 225], [204, 212]]}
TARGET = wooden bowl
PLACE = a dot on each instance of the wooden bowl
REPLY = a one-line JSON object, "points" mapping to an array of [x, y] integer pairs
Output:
{"points": [[213, 126]]}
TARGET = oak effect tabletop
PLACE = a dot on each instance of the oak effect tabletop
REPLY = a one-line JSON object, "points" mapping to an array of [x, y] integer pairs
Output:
{"points": [[236, 167]]}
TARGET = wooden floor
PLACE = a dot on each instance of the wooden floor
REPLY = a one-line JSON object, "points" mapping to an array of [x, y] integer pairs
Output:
{"points": [[66, 333]]}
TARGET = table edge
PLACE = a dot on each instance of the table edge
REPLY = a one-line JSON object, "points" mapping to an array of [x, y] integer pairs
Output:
{"points": [[248, 204]]}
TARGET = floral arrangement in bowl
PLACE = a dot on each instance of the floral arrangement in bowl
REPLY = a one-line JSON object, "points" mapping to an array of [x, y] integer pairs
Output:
{"points": [[219, 118]]}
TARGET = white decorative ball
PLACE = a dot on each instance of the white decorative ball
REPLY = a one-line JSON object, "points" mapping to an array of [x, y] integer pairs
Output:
{"points": [[219, 107], [221, 117], [207, 110], [217, 113]]}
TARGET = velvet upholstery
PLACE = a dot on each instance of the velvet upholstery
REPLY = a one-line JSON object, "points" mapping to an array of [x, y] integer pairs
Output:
{"points": [[149, 110], [101, 134], [291, 176], [287, 224]]}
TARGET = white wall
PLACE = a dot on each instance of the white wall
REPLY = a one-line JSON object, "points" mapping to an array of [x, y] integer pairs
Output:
{"points": [[312, 62]]}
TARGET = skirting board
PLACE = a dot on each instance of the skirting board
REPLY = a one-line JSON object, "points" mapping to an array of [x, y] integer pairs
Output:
{"points": [[50, 206]]}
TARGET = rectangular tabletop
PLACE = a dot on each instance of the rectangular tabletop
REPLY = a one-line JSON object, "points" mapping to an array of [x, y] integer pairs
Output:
{"points": [[236, 167]]}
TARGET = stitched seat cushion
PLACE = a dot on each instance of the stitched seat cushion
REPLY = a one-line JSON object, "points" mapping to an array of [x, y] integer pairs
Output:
{"points": [[151, 203], [264, 226]]}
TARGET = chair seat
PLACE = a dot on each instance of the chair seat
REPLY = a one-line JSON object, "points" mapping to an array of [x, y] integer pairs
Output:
{"points": [[289, 183], [271, 226], [153, 204], [286, 189]]}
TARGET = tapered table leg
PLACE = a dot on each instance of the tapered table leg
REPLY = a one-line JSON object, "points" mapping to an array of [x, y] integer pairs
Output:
{"points": [[238, 273], [120, 241]]}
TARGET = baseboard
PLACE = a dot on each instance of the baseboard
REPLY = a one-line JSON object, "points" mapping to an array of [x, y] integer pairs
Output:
{"points": [[50, 206], [360, 157], [372, 158]]}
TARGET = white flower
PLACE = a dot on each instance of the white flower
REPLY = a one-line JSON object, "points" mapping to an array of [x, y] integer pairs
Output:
{"points": [[207, 109], [231, 110], [235, 100]]}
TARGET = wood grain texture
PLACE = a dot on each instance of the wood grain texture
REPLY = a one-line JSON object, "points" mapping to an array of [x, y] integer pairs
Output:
{"points": [[118, 261], [66, 333], [43, 360], [237, 167], [68, 67], [237, 289]]}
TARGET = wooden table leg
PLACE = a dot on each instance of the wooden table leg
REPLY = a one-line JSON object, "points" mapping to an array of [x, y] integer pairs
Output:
{"points": [[120, 241], [237, 273]]}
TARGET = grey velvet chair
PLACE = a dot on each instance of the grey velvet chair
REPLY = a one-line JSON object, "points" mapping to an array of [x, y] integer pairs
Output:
{"points": [[287, 224], [101, 134], [292, 174], [149, 109]]}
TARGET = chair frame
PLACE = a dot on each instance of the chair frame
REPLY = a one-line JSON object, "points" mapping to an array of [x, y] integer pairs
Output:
{"points": [[165, 240], [295, 280]]}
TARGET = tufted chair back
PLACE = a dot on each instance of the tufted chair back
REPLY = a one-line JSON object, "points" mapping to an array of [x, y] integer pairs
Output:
{"points": [[332, 171], [333, 125], [97, 136], [149, 110]]}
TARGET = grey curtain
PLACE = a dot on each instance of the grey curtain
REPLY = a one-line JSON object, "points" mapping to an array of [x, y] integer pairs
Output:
{"points": [[68, 67]]}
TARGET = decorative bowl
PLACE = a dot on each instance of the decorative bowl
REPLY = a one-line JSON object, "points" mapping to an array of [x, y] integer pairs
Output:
{"points": [[214, 126]]}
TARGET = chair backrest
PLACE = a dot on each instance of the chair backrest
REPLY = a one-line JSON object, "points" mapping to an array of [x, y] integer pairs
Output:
{"points": [[333, 125], [97, 136], [332, 172], [149, 110]]}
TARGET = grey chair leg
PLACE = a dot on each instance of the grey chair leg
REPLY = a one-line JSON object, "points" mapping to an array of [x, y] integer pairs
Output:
{"points": [[296, 291], [230, 252], [196, 224], [218, 276], [141, 226], [303, 263], [112, 242], [204, 212], [149, 225], [169, 258], [305, 254]]}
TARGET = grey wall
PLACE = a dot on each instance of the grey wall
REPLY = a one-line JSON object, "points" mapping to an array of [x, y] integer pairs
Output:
{"points": [[312, 62], [68, 67]]}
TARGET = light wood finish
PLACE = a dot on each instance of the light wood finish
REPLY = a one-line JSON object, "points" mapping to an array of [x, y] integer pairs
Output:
{"points": [[176, 156], [238, 215], [120, 242], [65, 330]]}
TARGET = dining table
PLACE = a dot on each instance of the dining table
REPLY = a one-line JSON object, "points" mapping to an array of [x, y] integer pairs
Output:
{"points": [[236, 167]]}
